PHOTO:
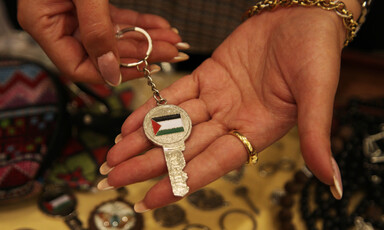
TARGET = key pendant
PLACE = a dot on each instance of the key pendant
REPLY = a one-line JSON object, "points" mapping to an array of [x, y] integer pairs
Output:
{"points": [[169, 126]]}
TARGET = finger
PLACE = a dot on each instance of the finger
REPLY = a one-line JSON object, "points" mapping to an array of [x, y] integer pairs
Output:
{"points": [[225, 154], [184, 89], [136, 142], [127, 147], [62, 48], [166, 35], [147, 21], [98, 37], [315, 107], [136, 50], [152, 163]]}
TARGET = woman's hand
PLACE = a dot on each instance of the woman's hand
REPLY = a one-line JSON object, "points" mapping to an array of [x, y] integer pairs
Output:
{"points": [[276, 70], [79, 37]]}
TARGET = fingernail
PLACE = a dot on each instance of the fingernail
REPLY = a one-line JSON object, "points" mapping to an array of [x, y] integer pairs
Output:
{"points": [[109, 69], [337, 187], [118, 138], [103, 185], [154, 68], [140, 207], [180, 57], [175, 30], [117, 28], [183, 46], [105, 169]]}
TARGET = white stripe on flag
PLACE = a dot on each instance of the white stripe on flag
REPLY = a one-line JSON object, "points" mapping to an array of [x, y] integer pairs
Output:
{"points": [[170, 124]]}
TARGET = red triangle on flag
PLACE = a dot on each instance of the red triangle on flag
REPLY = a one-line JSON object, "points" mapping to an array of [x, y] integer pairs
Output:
{"points": [[156, 126]]}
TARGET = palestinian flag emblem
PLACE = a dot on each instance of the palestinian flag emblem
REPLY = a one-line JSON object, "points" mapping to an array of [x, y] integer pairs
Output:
{"points": [[168, 124]]}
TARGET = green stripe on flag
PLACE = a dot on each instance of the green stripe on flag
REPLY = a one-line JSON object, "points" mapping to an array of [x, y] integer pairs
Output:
{"points": [[170, 131]]}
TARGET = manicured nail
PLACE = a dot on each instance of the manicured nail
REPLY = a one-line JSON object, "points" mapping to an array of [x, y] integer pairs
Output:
{"points": [[183, 46], [105, 169], [103, 185], [337, 187], [109, 69], [175, 30], [180, 57], [154, 68], [118, 138], [140, 207]]}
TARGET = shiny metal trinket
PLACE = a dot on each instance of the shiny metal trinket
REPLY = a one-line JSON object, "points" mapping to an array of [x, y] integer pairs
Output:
{"points": [[169, 126], [165, 125]]}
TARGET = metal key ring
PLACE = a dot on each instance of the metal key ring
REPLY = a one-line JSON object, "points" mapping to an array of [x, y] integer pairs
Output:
{"points": [[195, 226], [121, 32], [238, 211]]}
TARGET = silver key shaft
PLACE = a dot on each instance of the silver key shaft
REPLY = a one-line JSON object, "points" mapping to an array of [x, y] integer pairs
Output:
{"points": [[175, 164]]}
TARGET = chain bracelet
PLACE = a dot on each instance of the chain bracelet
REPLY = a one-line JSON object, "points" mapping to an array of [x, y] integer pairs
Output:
{"points": [[338, 6], [156, 93]]}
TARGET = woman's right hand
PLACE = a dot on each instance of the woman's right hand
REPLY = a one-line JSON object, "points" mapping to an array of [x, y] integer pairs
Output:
{"points": [[79, 37]]}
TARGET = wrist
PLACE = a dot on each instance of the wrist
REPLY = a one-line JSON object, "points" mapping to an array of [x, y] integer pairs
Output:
{"points": [[348, 10]]}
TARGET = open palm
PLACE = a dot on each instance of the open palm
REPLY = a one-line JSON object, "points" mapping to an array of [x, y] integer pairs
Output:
{"points": [[274, 71]]}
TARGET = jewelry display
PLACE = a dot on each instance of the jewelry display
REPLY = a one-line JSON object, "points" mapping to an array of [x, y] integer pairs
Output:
{"points": [[206, 199], [358, 134], [270, 168], [235, 176], [242, 192], [168, 126], [236, 211], [115, 214], [362, 205], [58, 200], [170, 216], [286, 198], [195, 227]]}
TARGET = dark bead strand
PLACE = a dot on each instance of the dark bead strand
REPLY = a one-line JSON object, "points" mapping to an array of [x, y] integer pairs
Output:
{"points": [[306, 214], [353, 125]]}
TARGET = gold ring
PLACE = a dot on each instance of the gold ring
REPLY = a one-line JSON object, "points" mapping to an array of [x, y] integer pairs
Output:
{"points": [[253, 155]]}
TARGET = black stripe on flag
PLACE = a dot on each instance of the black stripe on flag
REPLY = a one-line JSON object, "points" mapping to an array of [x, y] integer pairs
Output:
{"points": [[167, 117]]}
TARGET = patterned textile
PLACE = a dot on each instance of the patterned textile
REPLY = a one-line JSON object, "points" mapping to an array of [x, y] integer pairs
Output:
{"points": [[204, 24], [28, 116], [87, 147], [54, 130]]}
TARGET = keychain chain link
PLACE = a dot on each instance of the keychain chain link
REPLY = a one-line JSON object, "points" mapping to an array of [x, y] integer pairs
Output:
{"points": [[156, 93], [147, 73]]}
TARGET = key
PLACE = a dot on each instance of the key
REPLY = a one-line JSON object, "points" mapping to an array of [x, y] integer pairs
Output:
{"points": [[169, 126], [242, 192]]}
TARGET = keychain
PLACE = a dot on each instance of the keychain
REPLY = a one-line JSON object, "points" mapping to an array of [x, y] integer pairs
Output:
{"points": [[165, 125], [59, 200]]}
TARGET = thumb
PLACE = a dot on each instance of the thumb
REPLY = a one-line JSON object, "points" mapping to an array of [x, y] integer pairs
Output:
{"points": [[315, 108], [98, 37]]}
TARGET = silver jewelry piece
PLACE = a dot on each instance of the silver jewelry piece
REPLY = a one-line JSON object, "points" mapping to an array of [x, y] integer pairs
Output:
{"points": [[196, 226], [120, 34], [165, 125], [372, 149], [169, 126], [238, 211]]}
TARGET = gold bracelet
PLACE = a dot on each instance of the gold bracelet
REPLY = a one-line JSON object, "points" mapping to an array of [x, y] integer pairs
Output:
{"points": [[365, 6], [338, 6]]}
